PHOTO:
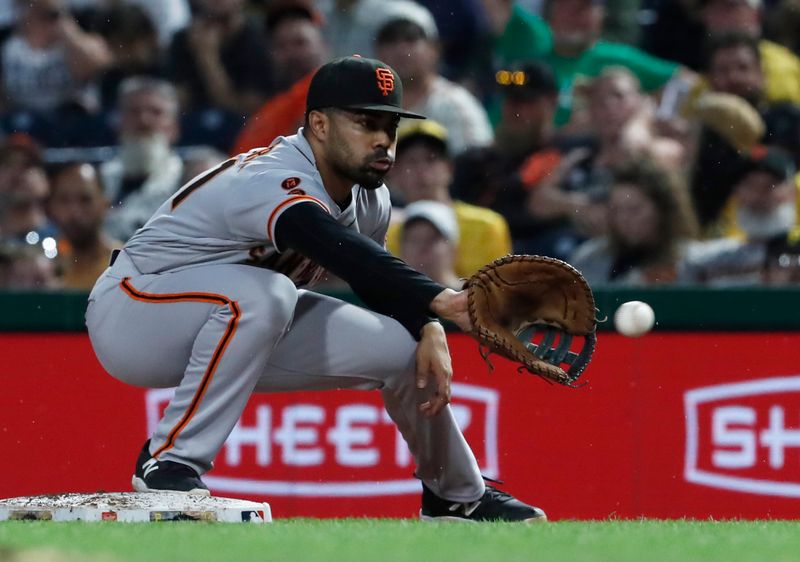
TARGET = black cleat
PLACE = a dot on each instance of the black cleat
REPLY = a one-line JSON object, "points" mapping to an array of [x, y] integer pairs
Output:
{"points": [[494, 505], [165, 476]]}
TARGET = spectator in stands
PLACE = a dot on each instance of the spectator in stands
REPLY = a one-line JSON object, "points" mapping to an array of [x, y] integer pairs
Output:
{"points": [[734, 66], [220, 59], [429, 241], [26, 268], [568, 204], [296, 49], [423, 171], [406, 46], [147, 170], [781, 67], [133, 41], [734, 69], [49, 62], [461, 24], [760, 215], [78, 206], [352, 25], [296, 46], [518, 35], [764, 201], [17, 153], [650, 228], [623, 121], [524, 154], [24, 215], [23, 191], [576, 27]]}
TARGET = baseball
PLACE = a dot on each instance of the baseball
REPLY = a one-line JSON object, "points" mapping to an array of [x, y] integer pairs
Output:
{"points": [[634, 318]]}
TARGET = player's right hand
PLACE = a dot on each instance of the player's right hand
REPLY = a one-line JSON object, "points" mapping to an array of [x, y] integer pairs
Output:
{"points": [[451, 305], [434, 369]]}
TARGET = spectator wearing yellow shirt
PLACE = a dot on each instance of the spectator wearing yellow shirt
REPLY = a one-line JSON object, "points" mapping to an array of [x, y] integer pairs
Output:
{"points": [[780, 66], [423, 171]]}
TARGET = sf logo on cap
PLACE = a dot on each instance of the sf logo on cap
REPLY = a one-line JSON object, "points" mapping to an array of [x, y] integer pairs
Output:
{"points": [[385, 80]]}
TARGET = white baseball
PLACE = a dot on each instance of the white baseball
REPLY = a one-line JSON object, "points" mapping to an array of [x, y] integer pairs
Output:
{"points": [[634, 319]]}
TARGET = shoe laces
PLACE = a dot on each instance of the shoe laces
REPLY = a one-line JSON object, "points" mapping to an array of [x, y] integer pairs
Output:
{"points": [[499, 495]]}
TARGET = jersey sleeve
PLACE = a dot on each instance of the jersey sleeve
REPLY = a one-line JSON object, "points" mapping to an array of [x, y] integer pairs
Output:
{"points": [[259, 201]]}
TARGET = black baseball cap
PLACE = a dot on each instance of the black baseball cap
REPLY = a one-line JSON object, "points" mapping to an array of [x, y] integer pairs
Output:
{"points": [[358, 83]]}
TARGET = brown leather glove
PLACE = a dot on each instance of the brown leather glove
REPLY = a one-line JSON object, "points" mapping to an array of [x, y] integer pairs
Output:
{"points": [[529, 309]]}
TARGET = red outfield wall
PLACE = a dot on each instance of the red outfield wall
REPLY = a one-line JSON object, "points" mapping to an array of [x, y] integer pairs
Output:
{"points": [[670, 425]]}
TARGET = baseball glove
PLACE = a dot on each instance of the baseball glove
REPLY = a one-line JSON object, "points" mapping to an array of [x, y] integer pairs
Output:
{"points": [[516, 301]]}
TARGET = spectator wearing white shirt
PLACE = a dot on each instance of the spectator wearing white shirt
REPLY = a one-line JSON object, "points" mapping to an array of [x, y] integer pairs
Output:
{"points": [[352, 25], [147, 171], [413, 52]]}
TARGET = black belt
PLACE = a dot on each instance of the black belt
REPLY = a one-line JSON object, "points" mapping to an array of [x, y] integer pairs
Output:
{"points": [[114, 256]]}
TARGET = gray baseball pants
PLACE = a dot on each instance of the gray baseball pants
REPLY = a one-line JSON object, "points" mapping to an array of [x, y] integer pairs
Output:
{"points": [[220, 332]]}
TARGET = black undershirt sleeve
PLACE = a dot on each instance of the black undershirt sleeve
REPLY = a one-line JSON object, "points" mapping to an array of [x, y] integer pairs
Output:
{"points": [[383, 282]]}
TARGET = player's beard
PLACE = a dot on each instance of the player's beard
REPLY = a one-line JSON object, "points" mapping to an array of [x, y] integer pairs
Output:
{"points": [[762, 226], [362, 173]]}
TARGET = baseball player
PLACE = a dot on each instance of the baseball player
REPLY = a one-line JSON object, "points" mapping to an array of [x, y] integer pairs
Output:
{"points": [[205, 298]]}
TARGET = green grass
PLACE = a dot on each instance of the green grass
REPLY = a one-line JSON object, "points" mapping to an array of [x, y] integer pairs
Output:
{"points": [[393, 540]]}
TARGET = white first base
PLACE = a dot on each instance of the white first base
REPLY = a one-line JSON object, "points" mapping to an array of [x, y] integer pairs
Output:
{"points": [[134, 507]]}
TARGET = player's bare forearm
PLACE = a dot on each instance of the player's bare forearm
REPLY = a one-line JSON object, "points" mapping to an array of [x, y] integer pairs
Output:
{"points": [[434, 368], [451, 305]]}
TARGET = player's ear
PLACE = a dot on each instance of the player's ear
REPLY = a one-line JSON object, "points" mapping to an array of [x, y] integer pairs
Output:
{"points": [[318, 124]]}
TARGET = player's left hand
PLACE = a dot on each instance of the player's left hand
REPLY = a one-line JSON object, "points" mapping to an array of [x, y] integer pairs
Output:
{"points": [[434, 368]]}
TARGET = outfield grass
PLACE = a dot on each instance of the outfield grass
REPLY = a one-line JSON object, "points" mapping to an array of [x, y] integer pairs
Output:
{"points": [[393, 540]]}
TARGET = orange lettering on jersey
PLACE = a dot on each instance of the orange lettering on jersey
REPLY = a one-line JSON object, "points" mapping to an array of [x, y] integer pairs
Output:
{"points": [[385, 80], [255, 153], [290, 183], [297, 191]]}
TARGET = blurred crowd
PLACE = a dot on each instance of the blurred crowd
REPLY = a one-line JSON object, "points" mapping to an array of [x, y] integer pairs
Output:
{"points": [[646, 142]]}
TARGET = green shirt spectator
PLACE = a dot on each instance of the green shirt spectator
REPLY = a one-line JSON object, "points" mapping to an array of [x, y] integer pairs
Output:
{"points": [[569, 42], [652, 72], [525, 37]]}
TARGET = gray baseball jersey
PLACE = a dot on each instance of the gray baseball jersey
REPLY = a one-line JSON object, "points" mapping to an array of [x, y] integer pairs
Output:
{"points": [[228, 214], [186, 305]]}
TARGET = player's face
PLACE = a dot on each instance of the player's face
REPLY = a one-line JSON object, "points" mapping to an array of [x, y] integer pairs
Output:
{"points": [[360, 146]]}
